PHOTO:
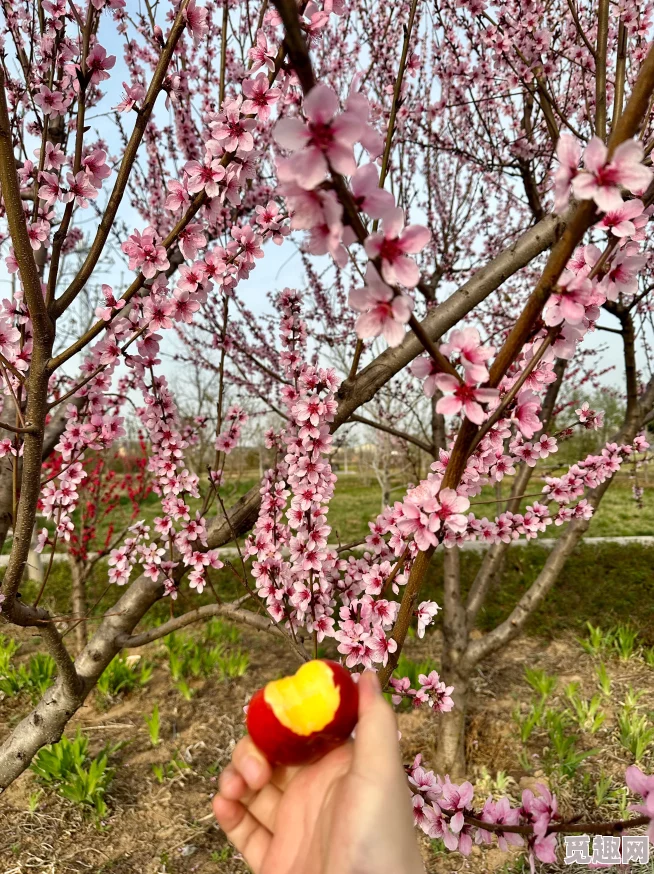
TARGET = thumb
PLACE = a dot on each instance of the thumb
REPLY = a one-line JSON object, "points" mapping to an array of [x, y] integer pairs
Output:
{"points": [[376, 746]]}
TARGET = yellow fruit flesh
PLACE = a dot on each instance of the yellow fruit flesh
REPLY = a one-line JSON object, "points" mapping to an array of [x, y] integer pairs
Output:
{"points": [[306, 702]]}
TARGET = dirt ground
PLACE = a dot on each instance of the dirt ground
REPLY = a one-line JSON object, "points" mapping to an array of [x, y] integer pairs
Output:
{"points": [[167, 828]]}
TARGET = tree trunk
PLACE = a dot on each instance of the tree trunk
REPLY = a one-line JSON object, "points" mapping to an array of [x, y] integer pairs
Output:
{"points": [[450, 746], [78, 595]]}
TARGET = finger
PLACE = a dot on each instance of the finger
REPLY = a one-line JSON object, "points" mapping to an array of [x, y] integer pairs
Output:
{"points": [[231, 784], [263, 805], [376, 747], [249, 837], [251, 764]]}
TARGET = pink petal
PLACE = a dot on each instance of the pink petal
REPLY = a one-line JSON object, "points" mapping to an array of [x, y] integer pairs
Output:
{"points": [[394, 332], [403, 270], [448, 406], [415, 238], [321, 104], [290, 133], [310, 167], [474, 412], [447, 383], [595, 154]]}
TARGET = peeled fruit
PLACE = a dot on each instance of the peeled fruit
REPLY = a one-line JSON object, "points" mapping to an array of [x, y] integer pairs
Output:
{"points": [[298, 719]]}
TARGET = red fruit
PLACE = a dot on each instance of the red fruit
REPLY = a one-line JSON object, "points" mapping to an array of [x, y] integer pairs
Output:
{"points": [[298, 719]]}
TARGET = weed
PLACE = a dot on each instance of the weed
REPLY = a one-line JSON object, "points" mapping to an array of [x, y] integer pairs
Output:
{"points": [[233, 664], [497, 786], [541, 682], [167, 770], [636, 733], [34, 800], [589, 716], [563, 756], [218, 631], [598, 641], [67, 766], [603, 679], [154, 725], [624, 641], [33, 678], [648, 656], [222, 855], [8, 646], [123, 675], [533, 719], [631, 700], [602, 789]]}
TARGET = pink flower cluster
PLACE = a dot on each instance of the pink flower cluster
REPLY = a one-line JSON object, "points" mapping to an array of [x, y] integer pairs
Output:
{"points": [[229, 437]]}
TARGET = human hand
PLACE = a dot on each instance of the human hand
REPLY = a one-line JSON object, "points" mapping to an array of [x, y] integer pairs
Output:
{"points": [[348, 813]]}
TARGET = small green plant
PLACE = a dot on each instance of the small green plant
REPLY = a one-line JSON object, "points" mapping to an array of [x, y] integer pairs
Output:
{"points": [[68, 767], [154, 725], [648, 656], [603, 787], [8, 647], [598, 641], [603, 679], [624, 642], [541, 682], [563, 755], [184, 689], [636, 733], [526, 724], [233, 664], [631, 700], [588, 714], [167, 770], [123, 675], [222, 855], [497, 785], [219, 631], [33, 678], [34, 800]]}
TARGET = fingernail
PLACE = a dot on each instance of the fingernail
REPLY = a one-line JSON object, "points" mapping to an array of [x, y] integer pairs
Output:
{"points": [[252, 769]]}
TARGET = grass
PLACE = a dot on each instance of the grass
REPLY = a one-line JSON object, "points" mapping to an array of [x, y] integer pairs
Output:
{"points": [[357, 501], [604, 584]]}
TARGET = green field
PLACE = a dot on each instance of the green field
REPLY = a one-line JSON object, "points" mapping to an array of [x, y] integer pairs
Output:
{"points": [[357, 501]]}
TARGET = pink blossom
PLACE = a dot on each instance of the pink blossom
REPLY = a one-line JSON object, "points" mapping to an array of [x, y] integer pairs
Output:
{"points": [[98, 62], [80, 189], [620, 222], [133, 94], [260, 54], [96, 167], [231, 129], [622, 277], [393, 247], [426, 612], [368, 196], [463, 396], [424, 368], [51, 102], [383, 312], [327, 136], [568, 154], [196, 21], [527, 405], [259, 97], [473, 355], [601, 179], [146, 253]]}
